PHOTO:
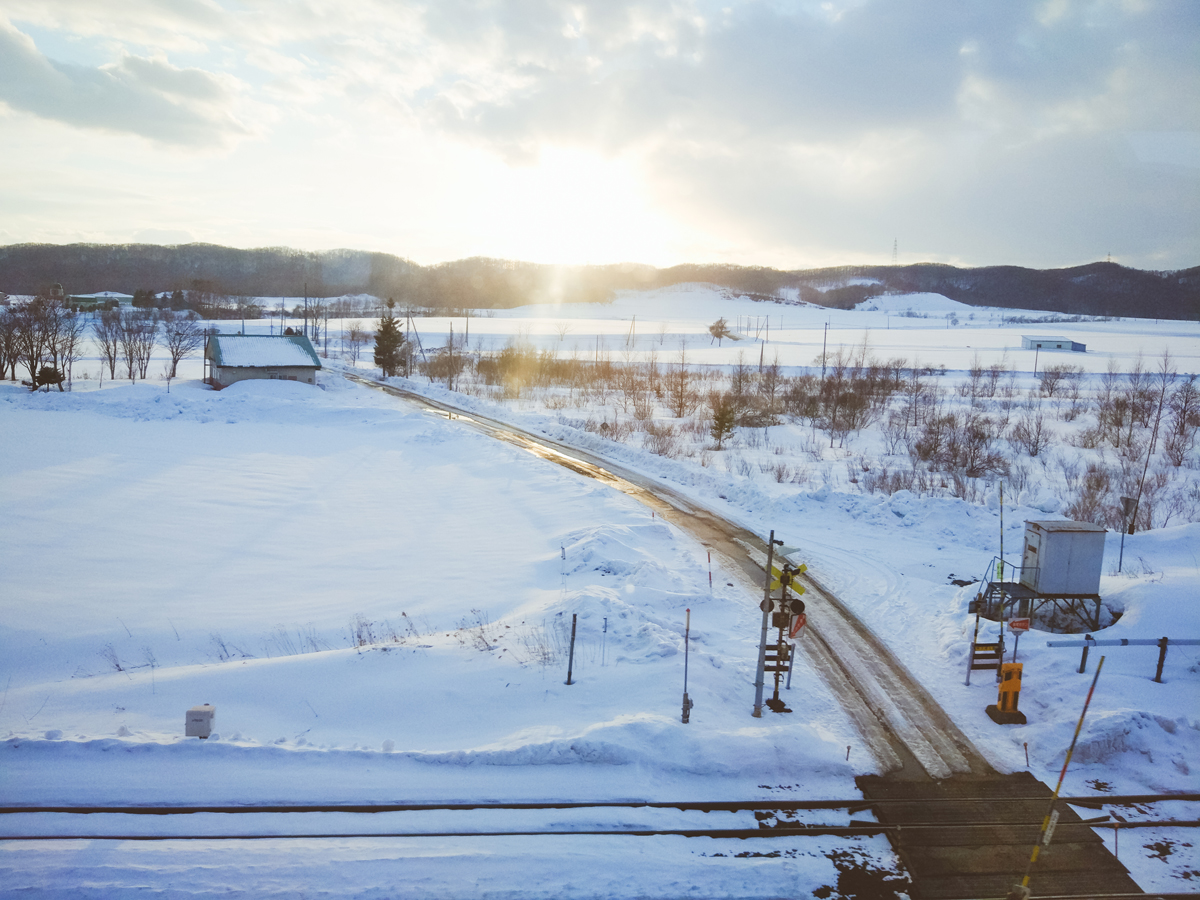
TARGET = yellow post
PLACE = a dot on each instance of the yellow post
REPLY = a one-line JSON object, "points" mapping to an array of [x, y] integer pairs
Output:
{"points": [[1005, 712], [1010, 686]]}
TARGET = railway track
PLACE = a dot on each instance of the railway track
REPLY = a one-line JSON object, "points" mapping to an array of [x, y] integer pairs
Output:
{"points": [[903, 727], [739, 820]]}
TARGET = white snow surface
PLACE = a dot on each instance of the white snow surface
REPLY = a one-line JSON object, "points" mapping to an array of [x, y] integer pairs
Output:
{"points": [[258, 351], [378, 601]]}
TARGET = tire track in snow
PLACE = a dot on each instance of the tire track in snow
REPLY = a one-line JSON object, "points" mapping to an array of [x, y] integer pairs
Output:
{"points": [[904, 728]]}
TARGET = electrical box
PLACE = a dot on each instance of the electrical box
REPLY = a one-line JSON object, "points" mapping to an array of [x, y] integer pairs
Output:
{"points": [[199, 721], [1062, 558]]}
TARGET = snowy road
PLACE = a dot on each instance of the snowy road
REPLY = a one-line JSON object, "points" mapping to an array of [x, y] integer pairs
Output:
{"points": [[902, 725]]}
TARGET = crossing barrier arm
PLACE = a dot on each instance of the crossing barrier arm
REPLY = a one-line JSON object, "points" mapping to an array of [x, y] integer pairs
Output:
{"points": [[1162, 643]]}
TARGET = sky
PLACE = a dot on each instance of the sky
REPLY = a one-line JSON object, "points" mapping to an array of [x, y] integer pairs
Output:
{"points": [[757, 132]]}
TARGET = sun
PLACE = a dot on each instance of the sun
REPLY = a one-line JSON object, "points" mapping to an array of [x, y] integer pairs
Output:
{"points": [[575, 206]]}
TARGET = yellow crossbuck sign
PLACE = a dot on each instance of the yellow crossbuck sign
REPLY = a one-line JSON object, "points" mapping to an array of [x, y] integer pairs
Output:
{"points": [[778, 579]]}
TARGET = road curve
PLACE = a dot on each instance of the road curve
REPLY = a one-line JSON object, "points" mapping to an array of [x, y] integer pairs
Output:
{"points": [[907, 733]]}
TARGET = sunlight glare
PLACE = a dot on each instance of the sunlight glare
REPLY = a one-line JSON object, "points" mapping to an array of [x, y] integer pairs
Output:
{"points": [[577, 207]]}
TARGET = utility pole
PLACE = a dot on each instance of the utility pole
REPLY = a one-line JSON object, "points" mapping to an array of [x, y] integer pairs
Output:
{"points": [[1129, 507], [824, 342]]}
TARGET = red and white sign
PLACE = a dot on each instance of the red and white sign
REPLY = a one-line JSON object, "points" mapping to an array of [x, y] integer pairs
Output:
{"points": [[798, 622], [1018, 624]]}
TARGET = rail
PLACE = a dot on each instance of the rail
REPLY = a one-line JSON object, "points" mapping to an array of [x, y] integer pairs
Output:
{"points": [[997, 566], [853, 804], [1162, 643]]}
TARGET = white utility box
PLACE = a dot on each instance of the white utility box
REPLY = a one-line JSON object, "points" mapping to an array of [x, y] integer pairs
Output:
{"points": [[199, 721], [1062, 558]]}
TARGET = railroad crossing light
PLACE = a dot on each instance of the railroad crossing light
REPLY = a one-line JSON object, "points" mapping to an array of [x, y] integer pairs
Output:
{"points": [[787, 612]]}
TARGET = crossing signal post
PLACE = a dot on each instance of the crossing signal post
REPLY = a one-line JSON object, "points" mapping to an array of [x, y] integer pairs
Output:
{"points": [[786, 614]]}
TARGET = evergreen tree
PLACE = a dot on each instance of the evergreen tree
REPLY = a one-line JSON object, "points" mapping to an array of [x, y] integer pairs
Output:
{"points": [[719, 330], [724, 416], [389, 344]]}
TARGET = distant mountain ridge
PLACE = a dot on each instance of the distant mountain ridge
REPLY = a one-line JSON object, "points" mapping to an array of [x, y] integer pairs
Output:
{"points": [[1101, 288]]}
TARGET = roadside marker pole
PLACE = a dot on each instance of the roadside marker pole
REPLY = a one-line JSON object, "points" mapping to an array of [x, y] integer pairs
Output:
{"points": [[687, 703], [1051, 819], [571, 659], [710, 571]]}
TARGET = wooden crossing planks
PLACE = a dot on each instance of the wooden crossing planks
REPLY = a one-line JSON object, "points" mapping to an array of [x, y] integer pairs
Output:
{"points": [[967, 859]]}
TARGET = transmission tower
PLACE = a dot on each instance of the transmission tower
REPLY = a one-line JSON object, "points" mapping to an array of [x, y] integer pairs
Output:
{"points": [[895, 248]]}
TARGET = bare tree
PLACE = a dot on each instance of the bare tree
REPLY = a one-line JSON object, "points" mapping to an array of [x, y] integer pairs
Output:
{"points": [[1031, 433], [107, 329], [69, 344], [357, 339], [145, 337], [182, 335], [561, 329], [769, 383], [8, 344], [973, 387], [138, 334], [1185, 420], [681, 399], [33, 350]]}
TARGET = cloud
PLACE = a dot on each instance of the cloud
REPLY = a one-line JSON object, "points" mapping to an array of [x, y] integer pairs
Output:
{"points": [[147, 97], [980, 131], [985, 132], [534, 71], [176, 25]]}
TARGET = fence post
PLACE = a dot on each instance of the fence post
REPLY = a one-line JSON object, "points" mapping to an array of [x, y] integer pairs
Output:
{"points": [[1083, 659], [571, 658], [1162, 658]]}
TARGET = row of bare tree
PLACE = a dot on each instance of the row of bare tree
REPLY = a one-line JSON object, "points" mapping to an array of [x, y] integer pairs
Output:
{"points": [[43, 336], [47, 337]]}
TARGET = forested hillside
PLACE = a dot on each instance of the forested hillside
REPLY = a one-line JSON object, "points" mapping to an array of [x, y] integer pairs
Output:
{"points": [[1096, 289]]}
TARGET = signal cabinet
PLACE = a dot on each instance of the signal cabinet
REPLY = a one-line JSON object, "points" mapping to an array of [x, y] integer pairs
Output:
{"points": [[1062, 558]]}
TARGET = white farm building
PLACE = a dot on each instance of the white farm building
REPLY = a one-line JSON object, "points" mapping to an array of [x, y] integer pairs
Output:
{"points": [[1036, 342], [237, 357]]}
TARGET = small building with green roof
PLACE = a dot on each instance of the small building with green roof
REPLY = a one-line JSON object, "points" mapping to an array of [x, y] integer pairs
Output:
{"points": [[238, 357]]}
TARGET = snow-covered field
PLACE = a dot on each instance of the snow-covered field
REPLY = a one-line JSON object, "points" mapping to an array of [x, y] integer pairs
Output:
{"points": [[378, 603]]}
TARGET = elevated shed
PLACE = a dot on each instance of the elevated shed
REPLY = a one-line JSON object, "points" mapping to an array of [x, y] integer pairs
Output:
{"points": [[229, 358], [1058, 581], [1062, 557]]}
